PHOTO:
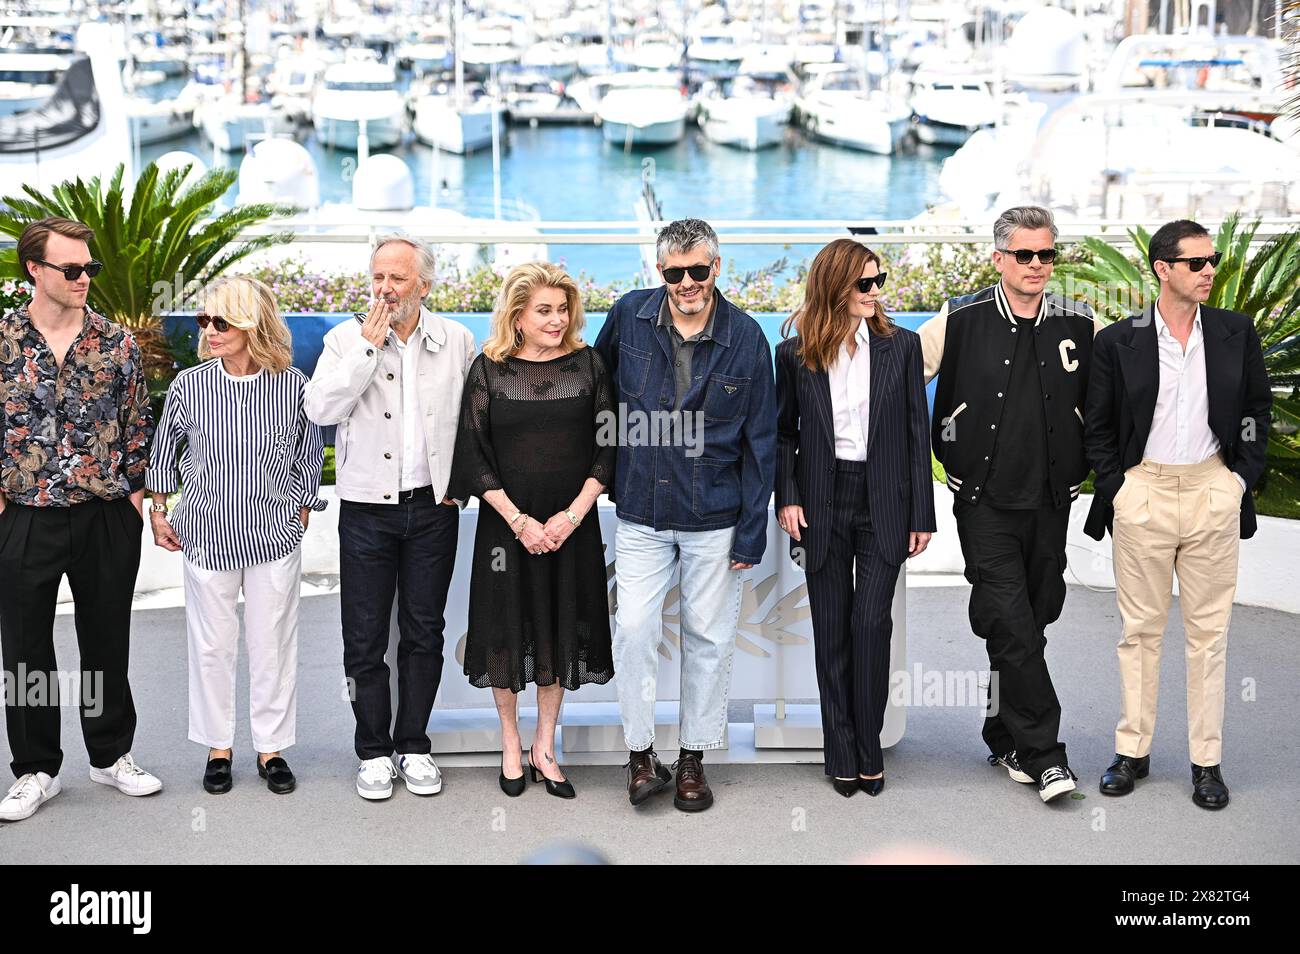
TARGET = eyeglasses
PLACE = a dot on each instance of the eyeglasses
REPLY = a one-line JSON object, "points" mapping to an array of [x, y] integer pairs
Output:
{"points": [[1025, 255], [215, 320], [864, 284], [73, 272], [673, 275], [1197, 262]]}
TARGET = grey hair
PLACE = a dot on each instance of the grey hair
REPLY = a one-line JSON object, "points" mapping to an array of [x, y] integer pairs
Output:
{"points": [[426, 263], [1021, 217], [684, 235]]}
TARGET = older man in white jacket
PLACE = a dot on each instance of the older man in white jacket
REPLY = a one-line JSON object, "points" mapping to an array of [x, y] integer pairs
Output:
{"points": [[392, 382]]}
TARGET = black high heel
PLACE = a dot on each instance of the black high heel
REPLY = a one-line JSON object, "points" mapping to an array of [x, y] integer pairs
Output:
{"points": [[872, 786], [558, 789], [514, 787], [848, 787]]}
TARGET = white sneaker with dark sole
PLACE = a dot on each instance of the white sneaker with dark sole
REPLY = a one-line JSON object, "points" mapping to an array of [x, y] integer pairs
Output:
{"points": [[1009, 762], [375, 778], [29, 793], [127, 777], [1055, 782], [420, 773]]}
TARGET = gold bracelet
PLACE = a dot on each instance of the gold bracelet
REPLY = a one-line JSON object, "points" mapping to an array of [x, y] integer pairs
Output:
{"points": [[518, 514]]}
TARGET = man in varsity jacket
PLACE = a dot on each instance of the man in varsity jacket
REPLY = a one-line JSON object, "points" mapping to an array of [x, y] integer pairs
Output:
{"points": [[1013, 362]]}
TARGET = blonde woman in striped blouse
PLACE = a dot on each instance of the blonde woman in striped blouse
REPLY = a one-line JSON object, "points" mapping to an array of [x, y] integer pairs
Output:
{"points": [[234, 436]]}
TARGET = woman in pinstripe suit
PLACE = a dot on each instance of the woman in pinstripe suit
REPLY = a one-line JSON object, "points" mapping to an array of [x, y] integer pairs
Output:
{"points": [[853, 490]]}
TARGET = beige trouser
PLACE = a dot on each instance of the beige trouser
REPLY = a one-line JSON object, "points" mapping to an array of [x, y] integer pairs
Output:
{"points": [[1182, 518]]}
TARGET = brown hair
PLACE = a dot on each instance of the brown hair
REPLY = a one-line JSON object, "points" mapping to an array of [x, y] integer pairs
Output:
{"points": [[31, 244], [516, 293], [823, 321]]}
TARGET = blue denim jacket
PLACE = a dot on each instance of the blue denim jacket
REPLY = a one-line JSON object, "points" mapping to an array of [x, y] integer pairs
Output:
{"points": [[726, 479]]}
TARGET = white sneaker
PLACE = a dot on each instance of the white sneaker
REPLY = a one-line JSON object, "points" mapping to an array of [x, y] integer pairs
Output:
{"points": [[421, 774], [27, 794], [375, 778], [1055, 782], [127, 777]]}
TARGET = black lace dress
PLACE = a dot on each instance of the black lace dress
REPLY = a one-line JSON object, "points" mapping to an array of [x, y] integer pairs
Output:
{"points": [[530, 427]]}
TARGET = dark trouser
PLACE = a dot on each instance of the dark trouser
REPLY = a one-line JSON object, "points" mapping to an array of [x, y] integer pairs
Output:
{"points": [[409, 549], [1014, 563], [851, 596], [97, 544]]}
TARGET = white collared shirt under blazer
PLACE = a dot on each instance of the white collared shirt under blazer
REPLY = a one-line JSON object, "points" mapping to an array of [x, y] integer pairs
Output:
{"points": [[359, 387], [850, 382], [246, 460]]}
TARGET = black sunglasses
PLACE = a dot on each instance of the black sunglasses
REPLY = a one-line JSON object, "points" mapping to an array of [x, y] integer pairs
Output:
{"points": [[1026, 255], [73, 272], [864, 284], [215, 320], [699, 273], [1197, 262]]}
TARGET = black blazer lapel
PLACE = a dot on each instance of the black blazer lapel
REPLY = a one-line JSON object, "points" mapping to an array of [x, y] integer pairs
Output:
{"points": [[1140, 362], [1224, 360], [880, 375], [819, 382]]}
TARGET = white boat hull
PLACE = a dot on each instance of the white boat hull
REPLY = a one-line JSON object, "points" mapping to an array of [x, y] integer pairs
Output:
{"points": [[231, 133], [341, 133], [461, 131], [866, 133], [157, 125], [662, 133], [746, 131]]}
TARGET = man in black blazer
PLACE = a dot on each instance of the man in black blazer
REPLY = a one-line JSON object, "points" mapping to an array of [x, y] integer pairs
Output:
{"points": [[1176, 429]]}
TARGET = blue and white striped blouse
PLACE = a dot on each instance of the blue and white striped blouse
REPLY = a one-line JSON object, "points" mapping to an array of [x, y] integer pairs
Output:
{"points": [[249, 461]]}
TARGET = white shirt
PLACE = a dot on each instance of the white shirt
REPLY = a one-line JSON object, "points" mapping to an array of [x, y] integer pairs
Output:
{"points": [[850, 380], [415, 455], [1180, 427]]}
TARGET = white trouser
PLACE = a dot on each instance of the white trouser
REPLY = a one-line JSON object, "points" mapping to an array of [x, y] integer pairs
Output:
{"points": [[271, 632]]}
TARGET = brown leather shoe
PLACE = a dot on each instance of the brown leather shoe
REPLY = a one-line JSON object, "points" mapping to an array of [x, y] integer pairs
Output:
{"points": [[693, 792], [645, 776]]}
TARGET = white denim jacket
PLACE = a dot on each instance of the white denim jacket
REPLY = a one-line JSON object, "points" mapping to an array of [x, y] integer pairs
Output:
{"points": [[359, 387]]}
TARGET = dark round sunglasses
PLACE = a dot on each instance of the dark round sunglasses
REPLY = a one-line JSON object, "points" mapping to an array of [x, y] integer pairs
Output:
{"points": [[73, 272], [1197, 262], [674, 274], [1026, 255], [863, 285], [215, 320]]}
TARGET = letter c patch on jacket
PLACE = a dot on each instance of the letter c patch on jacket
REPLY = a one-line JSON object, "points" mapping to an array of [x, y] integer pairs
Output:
{"points": [[1067, 362]]}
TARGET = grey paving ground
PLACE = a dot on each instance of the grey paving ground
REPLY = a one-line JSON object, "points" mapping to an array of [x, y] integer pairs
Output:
{"points": [[941, 800]]}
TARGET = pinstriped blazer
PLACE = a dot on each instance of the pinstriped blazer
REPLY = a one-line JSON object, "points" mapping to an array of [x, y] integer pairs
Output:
{"points": [[899, 480]]}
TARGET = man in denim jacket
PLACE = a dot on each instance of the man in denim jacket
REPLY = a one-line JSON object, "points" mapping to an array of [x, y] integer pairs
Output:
{"points": [[696, 459]]}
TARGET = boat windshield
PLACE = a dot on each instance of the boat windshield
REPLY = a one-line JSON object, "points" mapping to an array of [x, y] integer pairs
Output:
{"points": [[359, 86]]}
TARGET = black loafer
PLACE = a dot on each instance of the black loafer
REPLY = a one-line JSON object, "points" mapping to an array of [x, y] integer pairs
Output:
{"points": [[217, 777], [1208, 789], [1123, 772], [278, 777]]}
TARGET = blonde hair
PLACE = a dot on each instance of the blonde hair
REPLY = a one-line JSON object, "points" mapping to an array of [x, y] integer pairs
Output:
{"points": [[516, 293], [250, 306]]}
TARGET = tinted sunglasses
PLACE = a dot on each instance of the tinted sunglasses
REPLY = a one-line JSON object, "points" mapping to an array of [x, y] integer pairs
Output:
{"points": [[73, 272], [698, 273], [1026, 255], [1197, 262], [215, 320], [863, 285]]}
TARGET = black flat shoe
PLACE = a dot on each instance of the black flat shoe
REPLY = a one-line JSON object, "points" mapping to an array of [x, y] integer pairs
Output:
{"points": [[1208, 788], [276, 772], [558, 789], [1119, 779], [872, 786], [218, 777], [514, 787], [848, 787]]}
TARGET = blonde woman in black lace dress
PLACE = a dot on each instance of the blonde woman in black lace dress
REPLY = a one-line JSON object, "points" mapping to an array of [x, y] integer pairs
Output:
{"points": [[534, 403]]}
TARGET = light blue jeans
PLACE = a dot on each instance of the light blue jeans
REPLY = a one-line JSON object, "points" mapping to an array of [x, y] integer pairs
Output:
{"points": [[709, 609]]}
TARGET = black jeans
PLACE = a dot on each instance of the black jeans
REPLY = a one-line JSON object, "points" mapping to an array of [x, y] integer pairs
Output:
{"points": [[407, 549], [1014, 562], [97, 544], [852, 598]]}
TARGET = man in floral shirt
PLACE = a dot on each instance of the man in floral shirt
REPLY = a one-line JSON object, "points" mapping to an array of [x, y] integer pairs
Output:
{"points": [[76, 432]]}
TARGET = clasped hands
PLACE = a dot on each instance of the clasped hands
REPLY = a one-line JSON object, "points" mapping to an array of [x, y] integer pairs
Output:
{"points": [[539, 538]]}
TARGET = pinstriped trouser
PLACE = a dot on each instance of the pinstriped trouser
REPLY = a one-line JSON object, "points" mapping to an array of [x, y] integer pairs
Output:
{"points": [[851, 596]]}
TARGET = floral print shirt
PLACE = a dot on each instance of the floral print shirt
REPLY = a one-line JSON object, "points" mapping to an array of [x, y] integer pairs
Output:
{"points": [[74, 433]]}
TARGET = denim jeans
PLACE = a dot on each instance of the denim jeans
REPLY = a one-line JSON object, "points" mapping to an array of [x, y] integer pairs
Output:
{"points": [[710, 607], [409, 548]]}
